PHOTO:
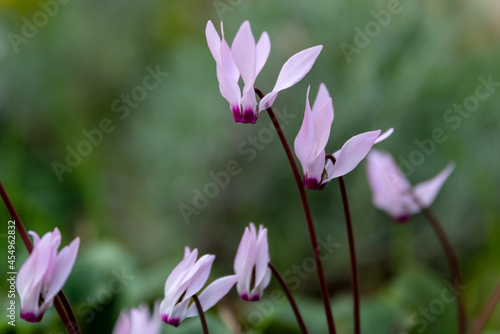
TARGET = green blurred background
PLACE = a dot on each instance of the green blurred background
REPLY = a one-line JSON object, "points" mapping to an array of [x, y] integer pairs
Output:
{"points": [[59, 81]]}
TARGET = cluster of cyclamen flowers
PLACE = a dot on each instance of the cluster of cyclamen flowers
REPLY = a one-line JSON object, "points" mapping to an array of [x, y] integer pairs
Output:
{"points": [[46, 270]]}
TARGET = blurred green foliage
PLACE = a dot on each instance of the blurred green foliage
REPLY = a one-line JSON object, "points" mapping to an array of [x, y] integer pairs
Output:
{"points": [[123, 198]]}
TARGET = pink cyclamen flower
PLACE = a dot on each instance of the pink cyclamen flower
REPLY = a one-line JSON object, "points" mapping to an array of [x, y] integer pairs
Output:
{"points": [[246, 58], [251, 263], [138, 321], [313, 136], [393, 193], [187, 278], [44, 273]]}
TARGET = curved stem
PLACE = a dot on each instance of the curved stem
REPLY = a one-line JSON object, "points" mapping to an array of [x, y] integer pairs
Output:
{"points": [[289, 295], [61, 303], [309, 221], [201, 314], [452, 263], [488, 309], [352, 252]]}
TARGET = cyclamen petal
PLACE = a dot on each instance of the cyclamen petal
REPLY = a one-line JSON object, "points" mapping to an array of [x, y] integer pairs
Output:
{"points": [[391, 191], [350, 155], [187, 278], [62, 268], [244, 53], [251, 263], [313, 136], [43, 274], [213, 293], [427, 191], [247, 58], [138, 321], [292, 72]]}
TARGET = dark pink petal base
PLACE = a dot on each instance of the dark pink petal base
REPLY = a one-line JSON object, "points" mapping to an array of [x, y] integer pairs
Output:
{"points": [[255, 298], [403, 219], [313, 184], [171, 321], [31, 317], [249, 116]]}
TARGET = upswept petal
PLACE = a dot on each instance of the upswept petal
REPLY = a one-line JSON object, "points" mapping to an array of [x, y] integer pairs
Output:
{"points": [[321, 97], [213, 293], [322, 120], [426, 191], [262, 255], [246, 272], [351, 154], [305, 142], [384, 135], [228, 76], [213, 41], [244, 53], [262, 49], [199, 274], [292, 72], [62, 268], [36, 238], [180, 271], [242, 252], [387, 183]]}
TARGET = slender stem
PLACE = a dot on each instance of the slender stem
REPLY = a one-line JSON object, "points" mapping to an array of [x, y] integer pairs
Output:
{"points": [[488, 309], [309, 221], [15, 217], [352, 251], [452, 262], [289, 295], [71, 315], [201, 314], [61, 303]]}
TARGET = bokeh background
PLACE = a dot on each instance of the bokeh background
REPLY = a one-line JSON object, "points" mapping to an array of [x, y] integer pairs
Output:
{"points": [[60, 78]]}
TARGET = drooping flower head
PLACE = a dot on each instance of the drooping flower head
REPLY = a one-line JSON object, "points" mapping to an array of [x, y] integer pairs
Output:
{"points": [[187, 278], [138, 321], [44, 273], [393, 193], [246, 58], [313, 136], [251, 263]]}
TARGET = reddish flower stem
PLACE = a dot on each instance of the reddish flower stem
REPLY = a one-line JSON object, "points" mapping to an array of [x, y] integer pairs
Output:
{"points": [[61, 303], [352, 252], [309, 221], [289, 295], [201, 314], [488, 309], [452, 262]]}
